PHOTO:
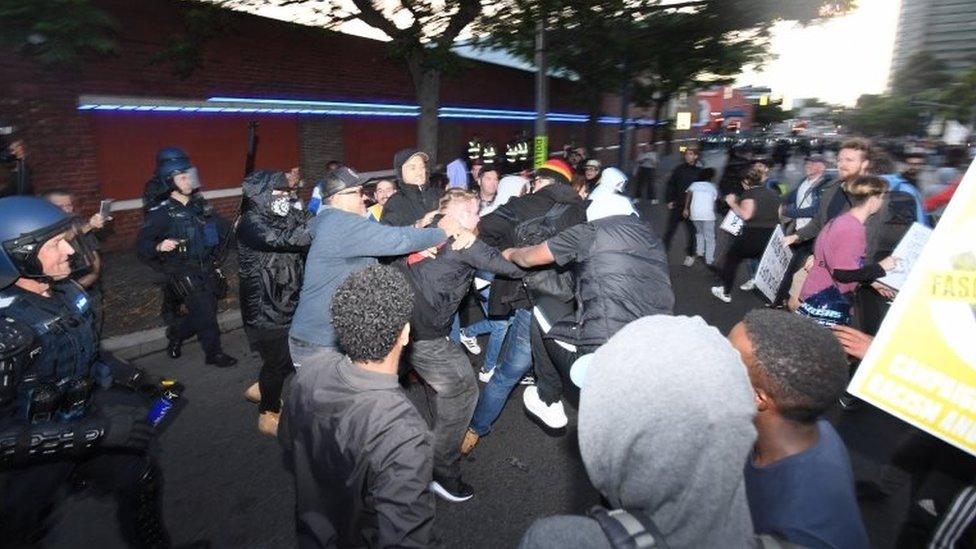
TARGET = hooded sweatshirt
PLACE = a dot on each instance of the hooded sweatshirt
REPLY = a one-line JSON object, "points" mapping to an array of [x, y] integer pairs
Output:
{"points": [[510, 186], [665, 435], [411, 202]]}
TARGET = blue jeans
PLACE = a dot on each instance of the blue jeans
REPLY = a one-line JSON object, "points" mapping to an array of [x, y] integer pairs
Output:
{"points": [[497, 329], [516, 363]]}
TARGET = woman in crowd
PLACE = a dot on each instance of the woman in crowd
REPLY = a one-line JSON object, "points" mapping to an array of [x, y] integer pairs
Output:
{"points": [[759, 208], [838, 255]]}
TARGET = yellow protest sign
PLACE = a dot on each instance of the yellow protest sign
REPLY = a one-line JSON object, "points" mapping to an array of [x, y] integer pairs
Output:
{"points": [[540, 153], [921, 367]]}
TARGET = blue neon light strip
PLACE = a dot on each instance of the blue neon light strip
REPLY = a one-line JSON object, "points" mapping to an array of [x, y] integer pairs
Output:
{"points": [[333, 108]]}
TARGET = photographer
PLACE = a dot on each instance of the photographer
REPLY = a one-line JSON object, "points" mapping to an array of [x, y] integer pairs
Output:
{"points": [[14, 157]]}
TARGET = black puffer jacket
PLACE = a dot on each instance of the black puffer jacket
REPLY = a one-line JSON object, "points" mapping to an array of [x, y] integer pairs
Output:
{"points": [[272, 255], [622, 275], [497, 229]]}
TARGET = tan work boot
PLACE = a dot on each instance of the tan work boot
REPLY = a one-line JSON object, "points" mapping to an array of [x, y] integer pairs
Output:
{"points": [[268, 423], [469, 441], [253, 393]]}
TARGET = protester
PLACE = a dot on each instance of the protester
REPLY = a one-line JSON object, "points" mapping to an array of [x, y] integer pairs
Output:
{"points": [[798, 209], [591, 174], [439, 285], [69, 417], [381, 194], [487, 187], [457, 171], [621, 274], [650, 448], [759, 208], [416, 201], [184, 239], [474, 172], [839, 255], [360, 451], [798, 371], [683, 175], [647, 162], [331, 259], [273, 237], [699, 207], [552, 207], [915, 163], [904, 199]]}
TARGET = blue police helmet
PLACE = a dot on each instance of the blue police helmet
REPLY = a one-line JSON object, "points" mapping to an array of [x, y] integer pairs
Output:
{"points": [[28, 222], [166, 168], [170, 153]]}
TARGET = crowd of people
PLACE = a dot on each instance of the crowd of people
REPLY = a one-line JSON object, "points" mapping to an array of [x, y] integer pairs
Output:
{"points": [[708, 441]]}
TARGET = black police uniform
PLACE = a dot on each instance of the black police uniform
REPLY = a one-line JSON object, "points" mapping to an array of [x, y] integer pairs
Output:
{"points": [[63, 417], [191, 268]]}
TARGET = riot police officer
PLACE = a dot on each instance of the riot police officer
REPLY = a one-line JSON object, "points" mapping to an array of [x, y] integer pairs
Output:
{"points": [[183, 238], [63, 412]]}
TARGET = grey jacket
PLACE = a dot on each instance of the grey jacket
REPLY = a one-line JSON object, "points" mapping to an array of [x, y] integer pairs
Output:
{"points": [[344, 243], [362, 457]]}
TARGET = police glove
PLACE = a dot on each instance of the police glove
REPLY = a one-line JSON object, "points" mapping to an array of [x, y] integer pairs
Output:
{"points": [[126, 428]]}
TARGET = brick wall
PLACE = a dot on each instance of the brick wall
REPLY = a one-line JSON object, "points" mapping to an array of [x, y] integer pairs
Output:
{"points": [[251, 56]]}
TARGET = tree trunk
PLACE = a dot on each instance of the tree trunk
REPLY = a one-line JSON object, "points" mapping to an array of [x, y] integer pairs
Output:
{"points": [[427, 85], [656, 128]]}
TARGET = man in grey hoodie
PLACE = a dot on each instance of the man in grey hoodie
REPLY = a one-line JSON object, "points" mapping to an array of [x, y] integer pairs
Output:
{"points": [[663, 438]]}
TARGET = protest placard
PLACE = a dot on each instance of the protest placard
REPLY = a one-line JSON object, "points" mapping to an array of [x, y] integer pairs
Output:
{"points": [[772, 267], [732, 223], [921, 367], [907, 252]]}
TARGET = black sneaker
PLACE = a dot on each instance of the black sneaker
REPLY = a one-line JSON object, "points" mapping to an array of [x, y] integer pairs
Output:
{"points": [[454, 489], [174, 349], [221, 360]]}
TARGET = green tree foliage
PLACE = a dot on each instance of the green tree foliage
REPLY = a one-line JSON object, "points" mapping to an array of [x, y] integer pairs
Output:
{"points": [[921, 72], [57, 32], [888, 115], [766, 115]]}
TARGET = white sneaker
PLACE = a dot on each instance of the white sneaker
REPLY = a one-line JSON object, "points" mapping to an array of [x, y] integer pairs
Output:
{"points": [[471, 344], [484, 376], [689, 261], [719, 292], [552, 415], [748, 285]]}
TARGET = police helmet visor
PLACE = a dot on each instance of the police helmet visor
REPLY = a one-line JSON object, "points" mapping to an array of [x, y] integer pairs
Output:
{"points": [[52, 253]]}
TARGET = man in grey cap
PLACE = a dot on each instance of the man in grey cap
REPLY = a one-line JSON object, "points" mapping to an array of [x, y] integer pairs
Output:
{"points": [[663, 438], [344, 241]]}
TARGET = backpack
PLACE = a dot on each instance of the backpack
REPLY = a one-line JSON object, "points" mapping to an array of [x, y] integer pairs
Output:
{"points": [[552, 281], [635, 530]]}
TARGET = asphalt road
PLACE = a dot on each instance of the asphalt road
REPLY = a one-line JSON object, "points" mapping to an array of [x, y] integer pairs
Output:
{"points": [[226, 483]]}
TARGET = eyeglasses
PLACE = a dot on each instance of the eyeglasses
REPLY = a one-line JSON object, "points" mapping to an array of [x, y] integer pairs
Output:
{"points": [[358, 191]]}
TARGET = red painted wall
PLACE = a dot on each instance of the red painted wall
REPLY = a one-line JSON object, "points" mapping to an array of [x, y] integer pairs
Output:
{"points": [[126, 145]]}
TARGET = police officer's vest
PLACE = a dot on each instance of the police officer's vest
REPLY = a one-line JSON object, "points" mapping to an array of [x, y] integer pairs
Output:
{"points": [[187, 224], [64, 327]]}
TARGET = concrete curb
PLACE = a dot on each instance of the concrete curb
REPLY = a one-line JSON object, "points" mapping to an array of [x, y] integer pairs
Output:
{"points": [[137, 344]]}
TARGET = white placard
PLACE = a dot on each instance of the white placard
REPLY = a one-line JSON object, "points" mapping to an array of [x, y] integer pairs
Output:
{"points": [[732, 223], [773, 265], [907, 252]]}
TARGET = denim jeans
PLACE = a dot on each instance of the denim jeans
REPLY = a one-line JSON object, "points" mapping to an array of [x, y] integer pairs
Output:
{"points": [[497, 329], [517, 360], [445, 367], [303, 352]]}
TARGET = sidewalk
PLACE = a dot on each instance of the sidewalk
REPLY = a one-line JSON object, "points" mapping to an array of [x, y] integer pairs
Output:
{"points": [[131, 297]]}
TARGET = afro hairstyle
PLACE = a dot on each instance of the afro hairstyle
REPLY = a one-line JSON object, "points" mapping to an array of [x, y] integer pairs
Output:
{"points": [[369, 310]]}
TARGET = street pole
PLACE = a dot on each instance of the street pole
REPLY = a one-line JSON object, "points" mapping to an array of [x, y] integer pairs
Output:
{"points": [[541, 144], [623, 140]]}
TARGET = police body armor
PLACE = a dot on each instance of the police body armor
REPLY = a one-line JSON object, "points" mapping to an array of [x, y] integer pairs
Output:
{"points": [[58, 383], [196, 229]]}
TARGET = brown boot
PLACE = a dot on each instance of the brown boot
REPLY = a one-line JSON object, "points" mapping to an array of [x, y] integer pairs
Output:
{"points": [[253, 393], [469, 441], [268, 423]]}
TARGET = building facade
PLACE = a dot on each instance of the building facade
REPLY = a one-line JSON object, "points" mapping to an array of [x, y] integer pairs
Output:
{"points": [[944, 28]]}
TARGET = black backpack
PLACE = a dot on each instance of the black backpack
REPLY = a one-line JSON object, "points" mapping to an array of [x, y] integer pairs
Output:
{"points": [[552, 281]]}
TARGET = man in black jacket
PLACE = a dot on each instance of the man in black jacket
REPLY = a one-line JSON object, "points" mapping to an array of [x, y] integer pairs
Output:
{"points": [[683, 175], [417, 200], [272, 237], [359, 449], [622, 275], [551, 194], [439, 285]]}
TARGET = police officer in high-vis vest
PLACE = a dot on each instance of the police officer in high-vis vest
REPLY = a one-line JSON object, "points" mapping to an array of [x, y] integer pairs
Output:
{"points": [[184, 239], [66, 414]]}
